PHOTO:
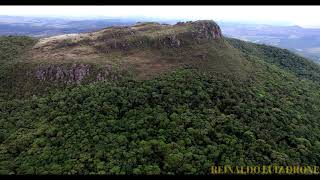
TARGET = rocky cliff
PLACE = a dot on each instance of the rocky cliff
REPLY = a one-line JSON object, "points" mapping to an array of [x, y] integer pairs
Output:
{"points": [[76, 73]]}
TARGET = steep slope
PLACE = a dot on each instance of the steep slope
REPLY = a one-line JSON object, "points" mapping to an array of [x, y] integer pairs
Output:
{"points": [[282, 58], [223, 102], [11, 50]]}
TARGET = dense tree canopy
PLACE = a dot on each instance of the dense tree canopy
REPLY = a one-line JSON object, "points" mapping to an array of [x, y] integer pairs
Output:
{"points": [[178, 123]]}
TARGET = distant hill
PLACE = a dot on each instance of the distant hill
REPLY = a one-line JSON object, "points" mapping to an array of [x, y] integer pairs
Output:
{"points": [[49, 26], [303, 41], [44, 27]]}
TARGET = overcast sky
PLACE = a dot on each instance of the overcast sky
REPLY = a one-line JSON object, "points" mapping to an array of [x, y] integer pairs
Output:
{"points": [[305, 16]]}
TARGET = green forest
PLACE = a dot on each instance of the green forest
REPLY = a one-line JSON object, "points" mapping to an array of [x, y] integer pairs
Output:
{"points": [[181, 122]]}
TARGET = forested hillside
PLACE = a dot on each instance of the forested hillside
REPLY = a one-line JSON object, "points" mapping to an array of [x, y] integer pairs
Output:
{"points": [[235, 103]]}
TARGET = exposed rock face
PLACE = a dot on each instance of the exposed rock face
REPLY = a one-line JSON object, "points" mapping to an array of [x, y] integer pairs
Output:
{"points": [[202, 31], [69, 75], [207, 30], [75, 73], [171, 41]]}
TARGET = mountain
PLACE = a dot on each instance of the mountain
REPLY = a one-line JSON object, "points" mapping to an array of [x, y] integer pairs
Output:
{"points": [[142, 51], [302, 41], [154, 98]]}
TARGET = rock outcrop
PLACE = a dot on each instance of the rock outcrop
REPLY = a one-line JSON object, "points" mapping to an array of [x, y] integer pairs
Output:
{"points": [[207, 30], [75, 73], [170, 41], [69, 75]]}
